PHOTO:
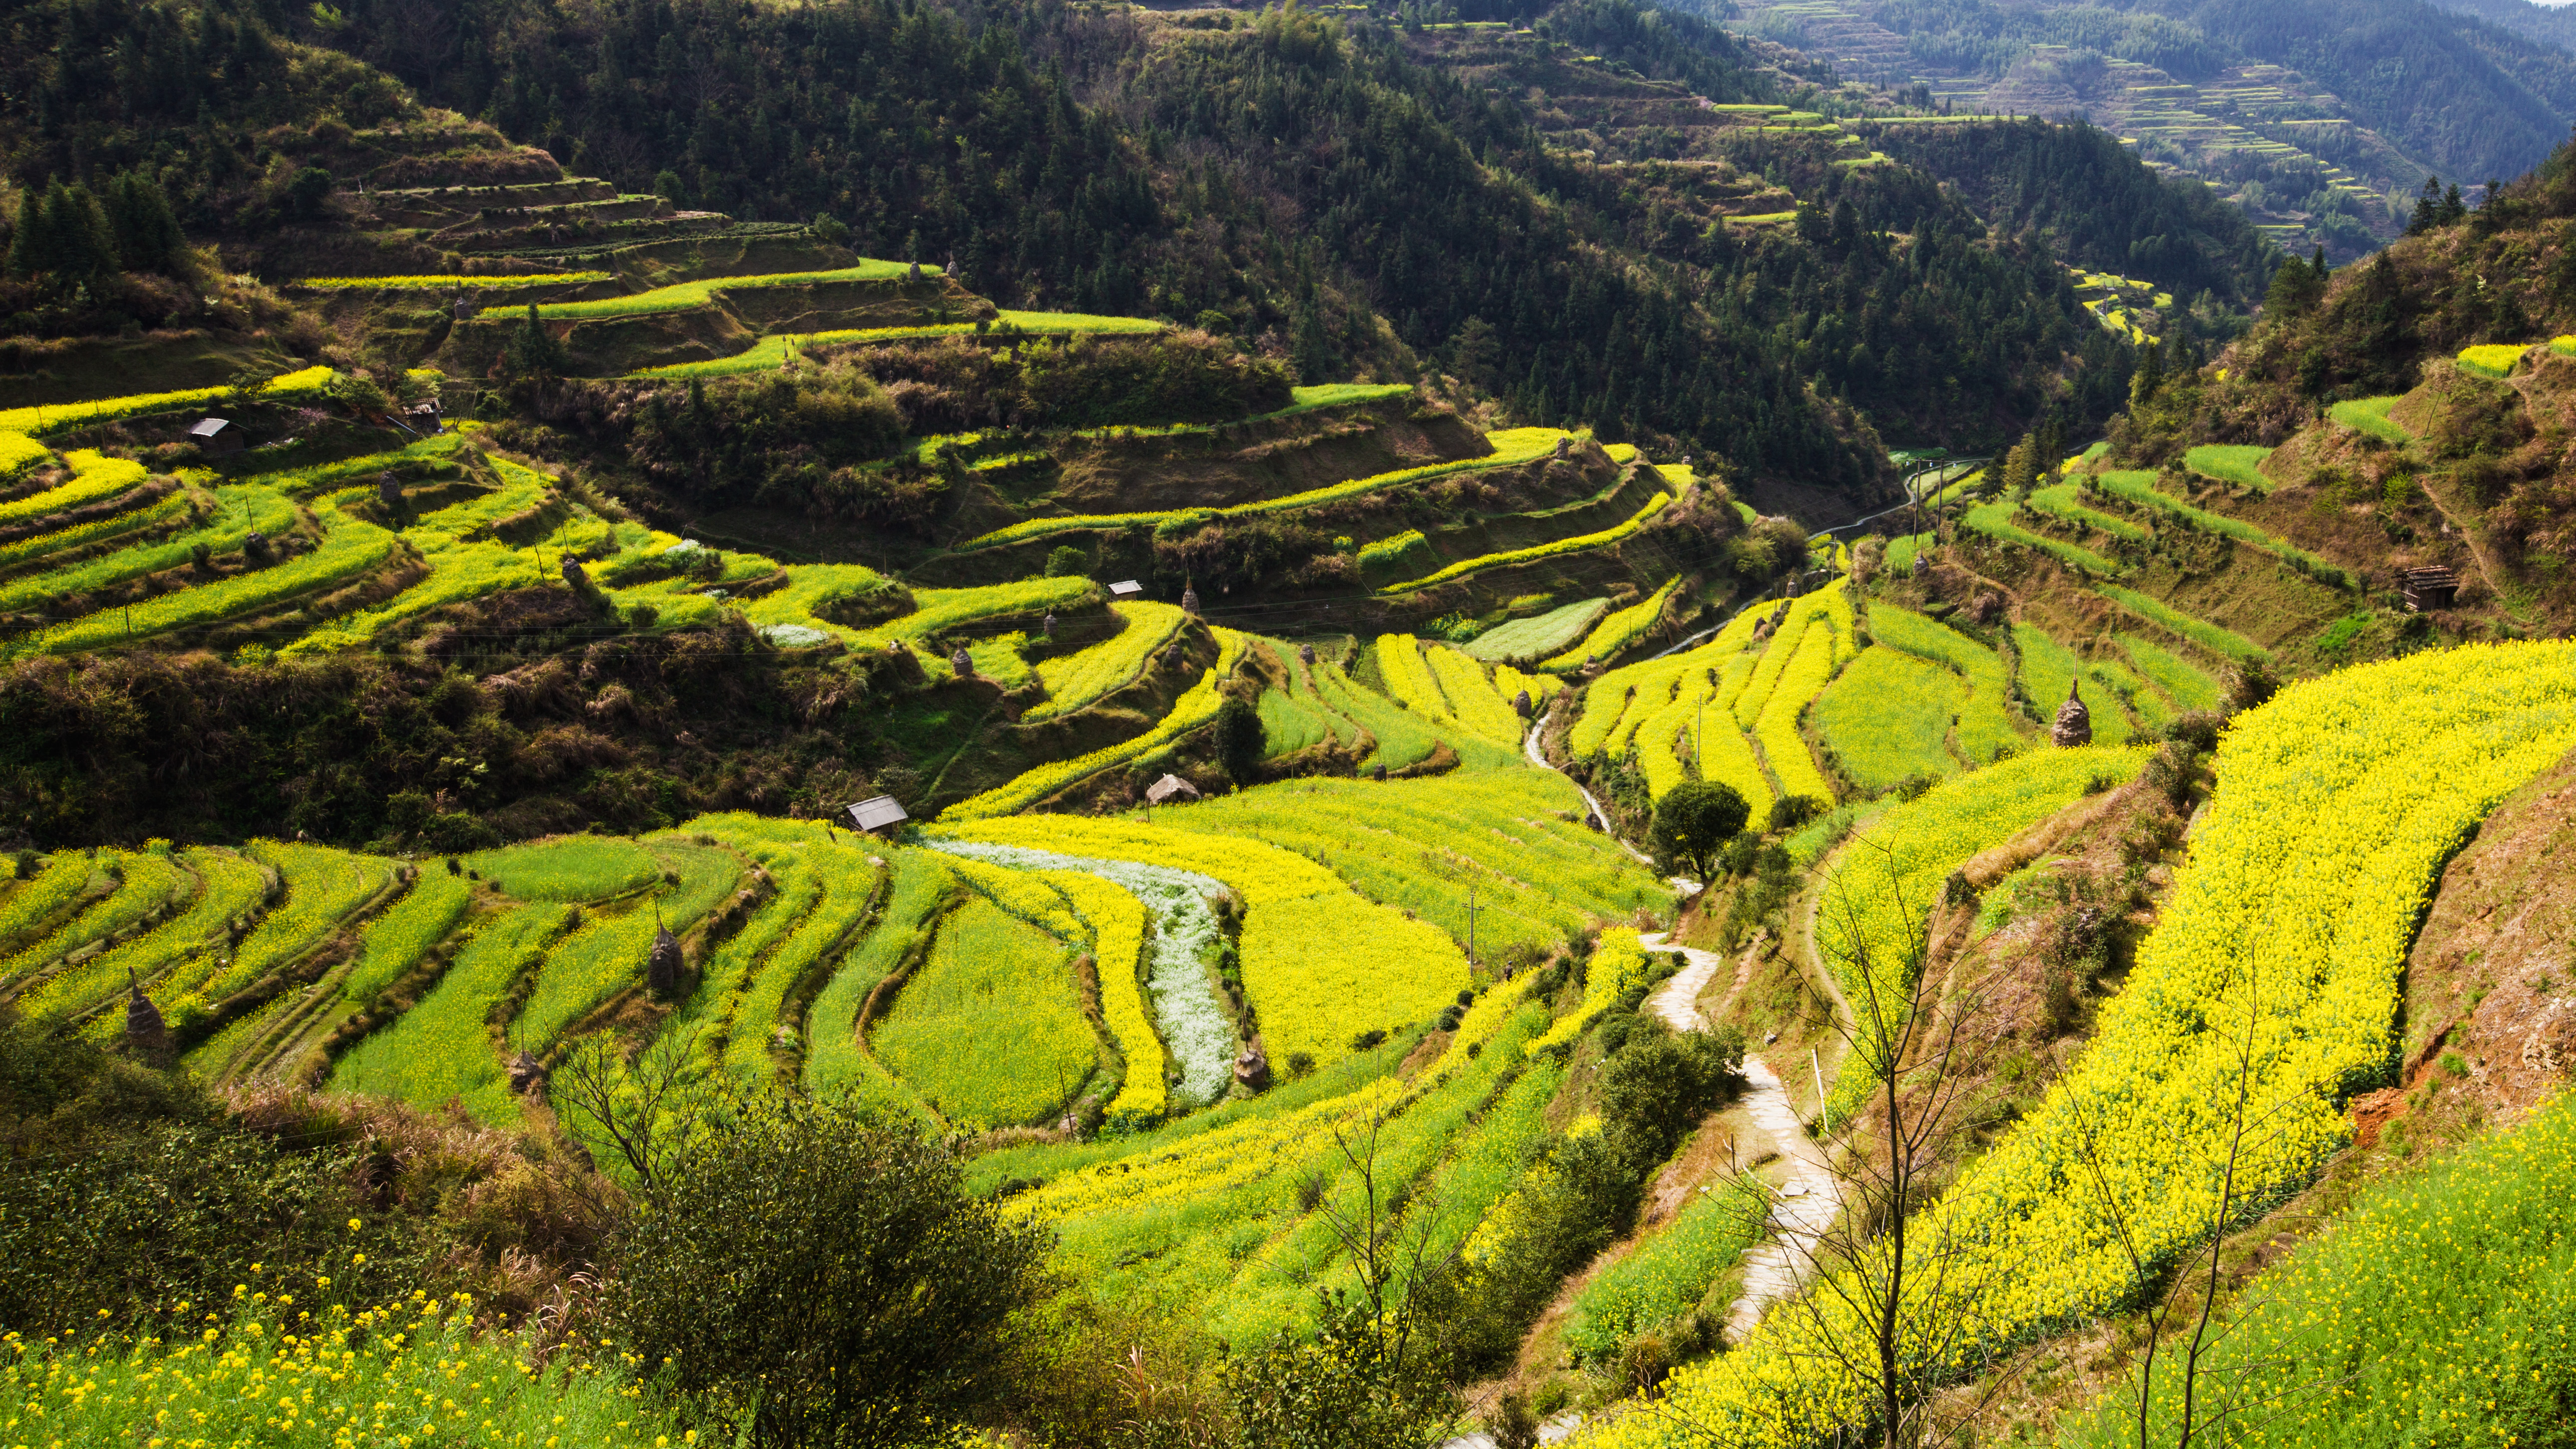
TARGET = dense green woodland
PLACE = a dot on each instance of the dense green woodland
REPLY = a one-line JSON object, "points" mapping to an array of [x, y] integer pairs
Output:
{"points": [[1321, 184], [2079, 187]]}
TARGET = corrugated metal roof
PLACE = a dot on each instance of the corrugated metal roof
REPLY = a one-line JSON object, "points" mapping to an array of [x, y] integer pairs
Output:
{"points": [[878, 813]]}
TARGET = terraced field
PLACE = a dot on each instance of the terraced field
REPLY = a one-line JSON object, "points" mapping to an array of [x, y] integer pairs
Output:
{"points": [[2298, 837], [1160, 1033]]}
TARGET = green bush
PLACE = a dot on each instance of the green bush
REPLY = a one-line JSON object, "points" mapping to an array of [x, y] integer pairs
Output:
{"points": [[1659, 1083], [1181, 378], [1240, 745], [124, 1191], [824, 1279]]}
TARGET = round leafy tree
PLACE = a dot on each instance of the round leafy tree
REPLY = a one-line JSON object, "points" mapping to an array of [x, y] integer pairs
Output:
{"points": [[1695, 820]]}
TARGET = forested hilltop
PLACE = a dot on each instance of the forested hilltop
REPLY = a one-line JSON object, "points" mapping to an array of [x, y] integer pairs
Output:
{"points": [[1351, 192]]}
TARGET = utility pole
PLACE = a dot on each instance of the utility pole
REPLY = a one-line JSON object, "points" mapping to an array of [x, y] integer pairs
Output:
{"points": [[1825, 1123], [1471, 927], [1699, 726]]}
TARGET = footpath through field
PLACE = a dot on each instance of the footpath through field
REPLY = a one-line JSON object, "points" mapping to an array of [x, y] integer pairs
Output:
{"points": [[1529, 747], [1809, 1200]]}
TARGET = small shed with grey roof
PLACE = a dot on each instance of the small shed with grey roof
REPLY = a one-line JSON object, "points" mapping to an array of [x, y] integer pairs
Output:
{"points": [[877, 814], [1170, 788]]}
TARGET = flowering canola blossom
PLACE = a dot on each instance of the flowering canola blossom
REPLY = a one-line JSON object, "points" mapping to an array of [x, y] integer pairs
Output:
{"points": [[1321, 964], [2336, 805], [2435, 1310], [269, 1373]]}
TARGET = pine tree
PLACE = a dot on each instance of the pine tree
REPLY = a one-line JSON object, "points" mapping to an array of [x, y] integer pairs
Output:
{"points": [[64, 236], [1312, 346], [2021, 466], [534, 352], [146, 231], [2428, 208], [2150, 376]]}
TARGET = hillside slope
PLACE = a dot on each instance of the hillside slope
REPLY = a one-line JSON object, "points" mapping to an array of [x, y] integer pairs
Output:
{"points": [[2298, 111]]}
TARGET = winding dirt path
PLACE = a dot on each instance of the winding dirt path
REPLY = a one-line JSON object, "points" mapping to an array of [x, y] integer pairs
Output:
{"points": [[2469, 536], [1809, 1200], [1529, 747]]}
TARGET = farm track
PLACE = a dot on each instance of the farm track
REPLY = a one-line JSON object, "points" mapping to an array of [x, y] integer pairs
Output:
{"points": [[1809, 1200], [2469, 535], [1529, 747]]}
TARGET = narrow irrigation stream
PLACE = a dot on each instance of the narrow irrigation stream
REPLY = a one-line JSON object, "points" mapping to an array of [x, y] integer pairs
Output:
{"points": [[1195, 1026]]}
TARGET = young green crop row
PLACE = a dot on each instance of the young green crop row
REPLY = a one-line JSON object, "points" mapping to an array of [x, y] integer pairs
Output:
{"points": [[2050, 670], [1887, 716], [1074, 680], [443, 283], [1515, 445], [1537, 877], [1532, 554], [95, 478], [1221, 1216], [231, 515], [2370, 415], [2065, 500], [455, 557], [988, 1029], [1666, 1274], [441, 1047], [1985, 727], [1524, 641], [608, 950], [1615, 632], [1193, 710], [773, 351], [2271, 978], [2224, 642], [166, 509], [1995, 521], [116, 894], [1195, 1030], [2139, 488], [2231, 462], [40, 419], [680, 296], [348, 549]]}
